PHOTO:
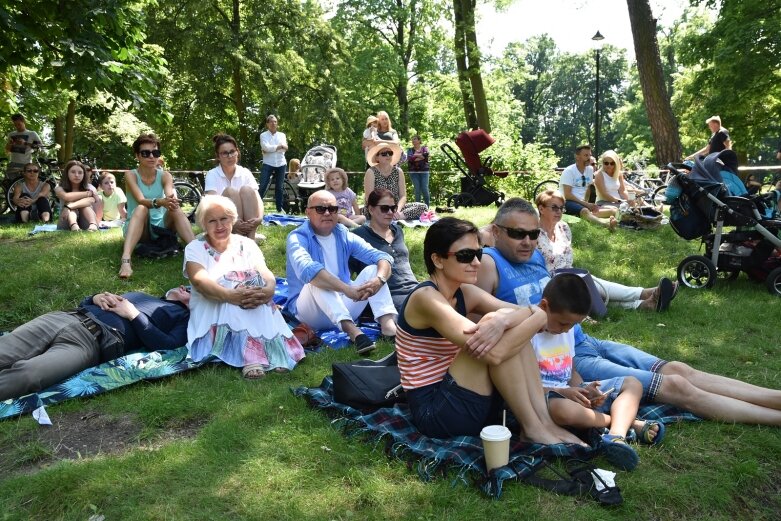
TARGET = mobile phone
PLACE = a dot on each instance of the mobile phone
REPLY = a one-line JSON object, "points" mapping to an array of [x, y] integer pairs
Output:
{"points": [[603, 394]]}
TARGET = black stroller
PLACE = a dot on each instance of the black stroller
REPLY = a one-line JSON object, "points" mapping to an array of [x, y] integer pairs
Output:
{"points": [[702, 210], [474, 190]]}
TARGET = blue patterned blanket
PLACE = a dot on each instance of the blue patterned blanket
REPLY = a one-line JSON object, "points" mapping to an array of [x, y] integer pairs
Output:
{"points": [[433, 457]]}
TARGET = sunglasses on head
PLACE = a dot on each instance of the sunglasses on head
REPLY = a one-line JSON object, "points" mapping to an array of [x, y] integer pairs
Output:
{"points": [[467, 255], [388, 208], [150, 153], [322, 209], [387, 153], [520, 233], [609, 163]]}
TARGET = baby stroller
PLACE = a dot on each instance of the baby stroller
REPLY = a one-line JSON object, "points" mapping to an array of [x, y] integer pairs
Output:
{"points": [[311, 175], [703, 208], [474, 190]]}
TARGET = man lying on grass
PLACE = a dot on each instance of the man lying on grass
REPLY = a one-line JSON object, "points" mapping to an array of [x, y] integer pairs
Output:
{"points": [[515, 272], [50, 348]]}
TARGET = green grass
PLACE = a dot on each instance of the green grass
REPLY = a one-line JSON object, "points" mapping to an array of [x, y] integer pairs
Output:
{"points": [[253, 451]]}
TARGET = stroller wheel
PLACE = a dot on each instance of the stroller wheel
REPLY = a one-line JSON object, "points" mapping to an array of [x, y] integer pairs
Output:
{"points": [[697, 272], [773, 282], [462, 199]]}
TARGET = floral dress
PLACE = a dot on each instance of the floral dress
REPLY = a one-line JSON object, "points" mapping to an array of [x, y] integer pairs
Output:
{"points": [[411, 211], [239, 337], [558, 254]]}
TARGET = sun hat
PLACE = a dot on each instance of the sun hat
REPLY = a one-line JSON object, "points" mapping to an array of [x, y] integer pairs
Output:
{"points": [[371, 154], [713, 118], [370, 120]]}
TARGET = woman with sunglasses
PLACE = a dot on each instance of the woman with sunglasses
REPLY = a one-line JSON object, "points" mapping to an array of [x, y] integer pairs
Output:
{"points": [[237, 183], [609, 181], [385, 235], [555, 244], [151, 202], [458, 374], [32, 195], [232, 312], [383, 172]]}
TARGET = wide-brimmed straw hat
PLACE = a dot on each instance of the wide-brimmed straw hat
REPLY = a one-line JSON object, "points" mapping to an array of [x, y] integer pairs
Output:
{"points": [[371, 154], [370, 120]]}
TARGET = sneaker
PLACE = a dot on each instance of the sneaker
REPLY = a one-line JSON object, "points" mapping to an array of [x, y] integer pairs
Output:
{"points": [[363, 344]]}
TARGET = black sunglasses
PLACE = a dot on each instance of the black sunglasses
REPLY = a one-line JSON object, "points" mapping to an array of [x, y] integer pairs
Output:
{"points": [[385, 154], [150, 153], [583, 177], [32, 170], [608, 163], [520, 233], [467, 255], [388, 208], [322, 209]]}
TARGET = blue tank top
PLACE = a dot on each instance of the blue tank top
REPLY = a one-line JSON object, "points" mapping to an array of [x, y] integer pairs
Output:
{"points": [[153, 191]]}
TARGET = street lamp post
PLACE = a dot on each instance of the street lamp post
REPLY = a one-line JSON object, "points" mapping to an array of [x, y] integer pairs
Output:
{"points": [[597, 39]]}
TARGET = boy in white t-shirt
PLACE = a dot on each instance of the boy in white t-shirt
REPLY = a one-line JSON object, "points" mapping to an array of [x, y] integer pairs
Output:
{"points": [[610, 404]]}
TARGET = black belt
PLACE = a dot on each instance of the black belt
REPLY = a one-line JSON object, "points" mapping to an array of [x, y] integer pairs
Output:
{"points": [[89, 324]]}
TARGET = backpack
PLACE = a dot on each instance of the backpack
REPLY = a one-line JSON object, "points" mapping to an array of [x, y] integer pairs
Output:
{"points": [[165, 245]]}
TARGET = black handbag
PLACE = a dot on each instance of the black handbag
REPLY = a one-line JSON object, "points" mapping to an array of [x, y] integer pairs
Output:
{"points": [[367, 384]]}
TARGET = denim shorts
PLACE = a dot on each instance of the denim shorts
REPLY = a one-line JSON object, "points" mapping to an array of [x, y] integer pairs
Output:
{"points": [[602, 359], [611, 383], [445, 409], [572, 208]]}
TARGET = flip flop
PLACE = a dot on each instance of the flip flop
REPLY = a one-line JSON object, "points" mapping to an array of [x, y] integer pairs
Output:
{"points": [[664, 294], [252, 372], [618, 452], [645, 432]]}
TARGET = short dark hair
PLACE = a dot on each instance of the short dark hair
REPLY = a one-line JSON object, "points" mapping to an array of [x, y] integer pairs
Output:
{"points": [[514, 204], [377, 194], [145, 138], [582, 147], [441, 235], [17, 117], [568, 293], [220, 139]]}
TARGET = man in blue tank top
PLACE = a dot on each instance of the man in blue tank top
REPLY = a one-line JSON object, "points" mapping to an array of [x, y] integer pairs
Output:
{"points": [[514, 271]]}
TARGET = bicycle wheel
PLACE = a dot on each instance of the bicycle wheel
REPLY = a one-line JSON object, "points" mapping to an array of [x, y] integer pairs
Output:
{"points": [[3, 198], [291, 202], [54, 203], [548, 184], [189, 197]]}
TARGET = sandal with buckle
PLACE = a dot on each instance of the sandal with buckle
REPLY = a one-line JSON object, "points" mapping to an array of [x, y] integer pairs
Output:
{"points": [[644, 436], [125, 270], [77, 229], [616, 450]]}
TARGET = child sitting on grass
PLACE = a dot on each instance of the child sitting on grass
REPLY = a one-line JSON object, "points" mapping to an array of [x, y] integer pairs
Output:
{"points": [[573, 403], [114, 200]]}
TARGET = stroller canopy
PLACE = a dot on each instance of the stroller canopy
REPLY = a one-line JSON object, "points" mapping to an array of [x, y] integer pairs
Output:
{"points": [[471, 143], [708, 169]]}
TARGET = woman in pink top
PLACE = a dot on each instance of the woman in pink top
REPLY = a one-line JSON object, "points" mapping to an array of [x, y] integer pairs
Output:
{"points": [[458, 373]]}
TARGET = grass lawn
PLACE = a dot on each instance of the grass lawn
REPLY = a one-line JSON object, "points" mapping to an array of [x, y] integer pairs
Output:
{"points": [[209, 445]]}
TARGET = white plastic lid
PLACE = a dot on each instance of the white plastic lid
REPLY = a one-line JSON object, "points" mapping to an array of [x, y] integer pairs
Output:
{"points": [[495, 433]]}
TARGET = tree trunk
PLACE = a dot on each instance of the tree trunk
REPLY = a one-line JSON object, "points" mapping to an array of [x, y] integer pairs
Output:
{"points": [[461, 66], [70, 130], [59, 137], [404, 45], [473, 55], [238, 94], [664, 126]]}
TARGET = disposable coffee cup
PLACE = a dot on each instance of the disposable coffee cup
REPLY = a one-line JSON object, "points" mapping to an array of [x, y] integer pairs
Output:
{"points": [[496, 446]]}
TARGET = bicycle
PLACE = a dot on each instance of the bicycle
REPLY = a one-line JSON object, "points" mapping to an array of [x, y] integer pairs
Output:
{"points": [[50, 173], [189, 193]]}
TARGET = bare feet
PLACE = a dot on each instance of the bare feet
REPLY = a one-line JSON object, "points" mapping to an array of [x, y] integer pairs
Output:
{"points": [[551, 434], [125, 270], [650, 434], [612, 223]]}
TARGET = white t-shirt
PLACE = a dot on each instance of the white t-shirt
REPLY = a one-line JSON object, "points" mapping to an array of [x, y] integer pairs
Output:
{"points": [[330, 259], [217, 182], [571, 176], [554, 356], [268, 144]]}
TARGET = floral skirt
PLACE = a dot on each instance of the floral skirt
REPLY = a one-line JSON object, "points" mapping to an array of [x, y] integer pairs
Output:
{"points": [[239, 349]]}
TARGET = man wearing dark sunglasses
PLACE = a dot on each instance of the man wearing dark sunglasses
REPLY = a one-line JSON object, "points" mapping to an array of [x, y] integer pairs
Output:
{"points": [[321, 292], [55, 346], [574, 184], [515, 271]]}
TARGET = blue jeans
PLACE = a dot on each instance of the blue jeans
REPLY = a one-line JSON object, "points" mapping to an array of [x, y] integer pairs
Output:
{"points": [[420, 184], [279, 182], [602, 359]]}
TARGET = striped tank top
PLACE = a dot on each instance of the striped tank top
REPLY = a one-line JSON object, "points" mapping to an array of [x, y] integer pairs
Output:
{"points": [[424, 354]]}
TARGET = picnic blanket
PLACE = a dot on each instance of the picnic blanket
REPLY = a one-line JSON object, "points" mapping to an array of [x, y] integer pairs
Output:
{"points": [[280, 219], [464, 454], [108, 376]]}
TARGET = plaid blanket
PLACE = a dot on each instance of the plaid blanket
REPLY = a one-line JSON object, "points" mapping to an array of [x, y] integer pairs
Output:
{"points": [[464, 454]]}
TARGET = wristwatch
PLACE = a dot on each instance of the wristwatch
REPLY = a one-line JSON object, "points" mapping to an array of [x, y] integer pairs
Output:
{"points": [[154, 203], [382, 279]]}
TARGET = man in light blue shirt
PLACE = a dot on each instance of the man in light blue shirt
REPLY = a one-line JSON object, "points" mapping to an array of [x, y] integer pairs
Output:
{"points": [[321, 292]]}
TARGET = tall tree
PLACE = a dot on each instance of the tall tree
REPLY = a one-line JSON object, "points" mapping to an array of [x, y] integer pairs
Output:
{"points": [[664, 126], [468, 65]]}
